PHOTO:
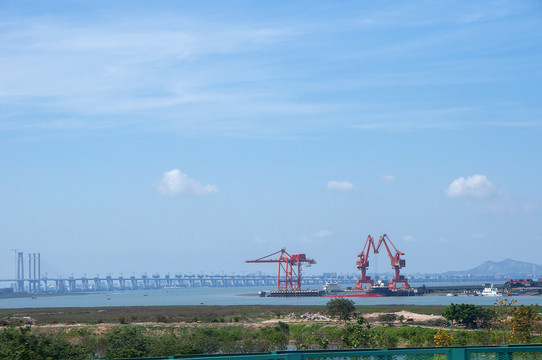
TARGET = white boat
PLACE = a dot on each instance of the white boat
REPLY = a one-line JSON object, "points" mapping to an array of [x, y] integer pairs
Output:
{"points": [[332, 287], [489, 291]]}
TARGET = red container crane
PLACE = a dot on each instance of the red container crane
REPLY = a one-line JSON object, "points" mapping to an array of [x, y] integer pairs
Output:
{"points": [[396, 263], [290, 265], [363, 263]]}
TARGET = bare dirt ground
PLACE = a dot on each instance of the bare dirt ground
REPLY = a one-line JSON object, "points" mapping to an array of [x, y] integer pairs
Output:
{"points": [[371, 317], [407, 315], [291, 318]]}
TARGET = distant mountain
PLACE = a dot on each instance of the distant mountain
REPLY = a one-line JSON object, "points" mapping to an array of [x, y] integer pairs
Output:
{"points": [[506, 268]]}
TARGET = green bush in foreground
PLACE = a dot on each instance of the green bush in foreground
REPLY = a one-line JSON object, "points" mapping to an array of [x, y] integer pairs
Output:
{"points": [[340, 308], [21, 343], [471, 316], [128, 341]]}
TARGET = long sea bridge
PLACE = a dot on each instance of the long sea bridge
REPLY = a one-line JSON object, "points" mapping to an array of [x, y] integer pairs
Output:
{"points": [[156, 281], [40, 284]]}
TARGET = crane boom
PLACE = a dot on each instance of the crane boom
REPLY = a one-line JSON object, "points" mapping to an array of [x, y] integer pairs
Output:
{"points": [[396, 263], [363, 263], [287, 264]]}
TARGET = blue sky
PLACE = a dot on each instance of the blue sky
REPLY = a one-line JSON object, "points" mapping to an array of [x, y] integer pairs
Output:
{"points": [[190, 136]]}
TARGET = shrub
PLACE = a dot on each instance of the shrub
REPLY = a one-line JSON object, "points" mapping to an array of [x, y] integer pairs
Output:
{"points": [[340, 308], [388, 319], [162, 318], [126, 341], [359, 334], [471, 316], [387, 339]]}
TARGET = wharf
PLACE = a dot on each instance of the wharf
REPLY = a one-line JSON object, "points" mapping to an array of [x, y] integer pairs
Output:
{"points": [[448, 288], [292, 293]]}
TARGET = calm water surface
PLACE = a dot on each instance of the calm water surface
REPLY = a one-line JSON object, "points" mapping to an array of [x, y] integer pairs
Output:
{"points": [[228, 296]]}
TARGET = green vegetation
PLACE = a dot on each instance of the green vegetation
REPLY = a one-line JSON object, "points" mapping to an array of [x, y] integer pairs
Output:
{"points": [[388, 319], [175, 314], [471, 316], [127, 341], [21, 343], [359, 335], [121, 333], [516, 324], [340, 308]]}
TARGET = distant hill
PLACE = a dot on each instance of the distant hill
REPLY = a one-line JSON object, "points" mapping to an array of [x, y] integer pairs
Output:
{"points": [[506, 268]]}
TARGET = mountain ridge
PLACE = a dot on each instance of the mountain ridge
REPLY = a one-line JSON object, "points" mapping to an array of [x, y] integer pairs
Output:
{"points": [[506, 267]]}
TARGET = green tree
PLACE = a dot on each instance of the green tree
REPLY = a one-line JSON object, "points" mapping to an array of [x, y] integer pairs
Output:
{"points": [[388, 319], [517, 323], [126, 341], [274, 337], [166, 344], [471, 316], [201, 341], [21, 344], [310, 337], [359, 335], [340, 308]]}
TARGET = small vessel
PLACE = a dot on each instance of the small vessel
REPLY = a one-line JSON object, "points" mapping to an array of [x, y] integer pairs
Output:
{"points": [[489, 291], [332, 289]]}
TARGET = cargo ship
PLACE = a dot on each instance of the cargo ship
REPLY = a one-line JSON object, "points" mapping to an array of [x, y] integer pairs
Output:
{"points": [[332, 289], [379, 289]]}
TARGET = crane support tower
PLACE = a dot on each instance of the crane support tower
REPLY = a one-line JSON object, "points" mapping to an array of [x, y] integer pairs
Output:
{"points": [[289, 265], [396, 263]]}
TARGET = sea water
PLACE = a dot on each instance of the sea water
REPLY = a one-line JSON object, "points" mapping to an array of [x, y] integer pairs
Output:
{"points": [[230, 296]]}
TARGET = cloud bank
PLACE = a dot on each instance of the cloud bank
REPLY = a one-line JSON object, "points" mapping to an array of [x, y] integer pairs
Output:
{"points": [[477, 186], [175, 182], [482, 195], [340, 185]]}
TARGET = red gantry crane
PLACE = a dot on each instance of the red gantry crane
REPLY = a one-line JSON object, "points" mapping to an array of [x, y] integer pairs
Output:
{"points": [[396, 263], [290, 265], [363, 263]]}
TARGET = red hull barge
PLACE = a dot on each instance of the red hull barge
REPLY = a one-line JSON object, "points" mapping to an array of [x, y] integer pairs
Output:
{"points": [[357, 295]]}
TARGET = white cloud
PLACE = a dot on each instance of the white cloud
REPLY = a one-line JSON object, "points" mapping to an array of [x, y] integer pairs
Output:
{"points": [[409, 238], [175, 182], [323, 233], [477, 186], [483, 196], [340, 185], [259, 240], [388, 178], [478, 236]]}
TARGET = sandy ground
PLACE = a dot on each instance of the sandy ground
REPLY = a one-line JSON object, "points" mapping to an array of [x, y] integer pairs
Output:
{"points": [[291, 318], [371, 317], [407, 315]]}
